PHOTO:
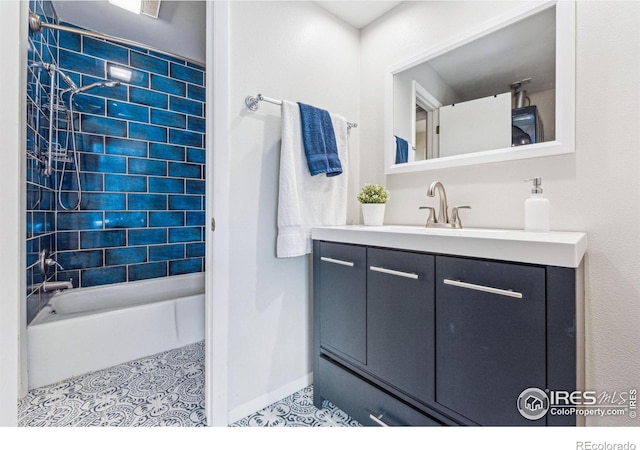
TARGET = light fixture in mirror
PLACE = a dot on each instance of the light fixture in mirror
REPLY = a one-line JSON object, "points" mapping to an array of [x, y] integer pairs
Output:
{"points": [[501, 92], [149, 8], [134, 6]]}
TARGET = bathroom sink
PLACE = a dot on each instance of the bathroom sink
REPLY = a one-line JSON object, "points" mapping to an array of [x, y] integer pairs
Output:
{"points": [[442, 231], [556, 248]]}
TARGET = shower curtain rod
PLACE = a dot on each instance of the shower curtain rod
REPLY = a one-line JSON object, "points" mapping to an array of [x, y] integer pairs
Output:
{"points": [[36, 25], [253, 103]]}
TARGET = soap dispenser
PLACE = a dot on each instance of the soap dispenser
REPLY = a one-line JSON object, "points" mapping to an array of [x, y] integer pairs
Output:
{"points": [[536, 208]]}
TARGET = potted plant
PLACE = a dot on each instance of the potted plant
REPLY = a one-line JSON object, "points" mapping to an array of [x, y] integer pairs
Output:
{"points": [[373, 198]]}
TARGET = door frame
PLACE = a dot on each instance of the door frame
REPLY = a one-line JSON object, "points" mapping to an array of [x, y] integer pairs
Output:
{"points": [[13, 29], [14, 39], [217, 208]]}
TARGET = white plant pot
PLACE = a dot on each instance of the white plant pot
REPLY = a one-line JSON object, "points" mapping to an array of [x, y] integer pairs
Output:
{"points": [[373, 214]]}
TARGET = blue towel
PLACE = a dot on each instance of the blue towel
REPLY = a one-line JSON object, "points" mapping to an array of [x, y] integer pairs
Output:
{"points": [[402, 150], [319, 141]]}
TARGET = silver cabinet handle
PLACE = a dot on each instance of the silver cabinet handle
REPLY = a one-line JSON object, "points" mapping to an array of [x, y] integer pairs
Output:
{"points": [[479, 287], [378, 419], [336, 261], [413, 276]]}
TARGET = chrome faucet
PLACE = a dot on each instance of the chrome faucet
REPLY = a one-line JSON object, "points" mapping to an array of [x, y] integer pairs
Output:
{"points": [[443, 215], [442, 220], [49, 286]]}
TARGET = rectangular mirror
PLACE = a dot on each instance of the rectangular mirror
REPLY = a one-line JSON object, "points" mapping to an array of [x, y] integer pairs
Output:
{"points": [[501, 92]]}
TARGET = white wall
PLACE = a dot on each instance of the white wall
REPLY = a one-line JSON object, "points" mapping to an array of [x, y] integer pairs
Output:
{"points": [[179, 28], [597, 190], [12, 232], [299, 52]]}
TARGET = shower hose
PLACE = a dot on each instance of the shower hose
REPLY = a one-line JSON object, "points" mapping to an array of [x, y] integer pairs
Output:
{"points": [[71, 135]]}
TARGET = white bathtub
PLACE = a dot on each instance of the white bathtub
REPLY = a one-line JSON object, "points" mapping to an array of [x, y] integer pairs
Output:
{"points": [[88, 329]]}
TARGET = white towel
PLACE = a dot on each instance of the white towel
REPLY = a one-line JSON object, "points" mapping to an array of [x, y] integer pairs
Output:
{"points": [[305, 201]]}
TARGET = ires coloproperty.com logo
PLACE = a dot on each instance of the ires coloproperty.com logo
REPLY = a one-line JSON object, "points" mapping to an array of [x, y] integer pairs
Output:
{"points": [[534, 403]]}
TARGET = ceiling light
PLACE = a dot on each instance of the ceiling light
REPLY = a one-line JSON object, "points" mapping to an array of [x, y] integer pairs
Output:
{"points": [[135, 6], [149, 8]]}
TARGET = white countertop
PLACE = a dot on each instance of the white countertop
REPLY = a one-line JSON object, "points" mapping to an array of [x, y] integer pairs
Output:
{"points": [[554, 248]]}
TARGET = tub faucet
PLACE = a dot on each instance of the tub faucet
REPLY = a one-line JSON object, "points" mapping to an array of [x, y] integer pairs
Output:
{"points": [[442, 220], [49, 286]]}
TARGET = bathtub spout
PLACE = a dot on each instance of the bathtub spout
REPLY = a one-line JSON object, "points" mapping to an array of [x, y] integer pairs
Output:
{"points": [[49, 286]]}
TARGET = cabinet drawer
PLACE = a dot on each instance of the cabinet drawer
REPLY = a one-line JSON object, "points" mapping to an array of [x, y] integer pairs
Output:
{"points": [[490, 337], [343, 302], [362, 400]]}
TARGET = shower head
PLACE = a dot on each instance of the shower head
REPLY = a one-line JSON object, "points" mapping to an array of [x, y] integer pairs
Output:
{"points": [[67, 80], [97, 84]]}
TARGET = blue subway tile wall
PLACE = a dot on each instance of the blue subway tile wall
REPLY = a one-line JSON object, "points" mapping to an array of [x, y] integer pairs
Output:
{"points": [[149, 98], [147, 132], [147, 236], [141, 154], [40, 190], [166, 185], [164, 219], [141, 148], [149, 270], [169, 119], [149, 63], [103, 275], [122, 219]]}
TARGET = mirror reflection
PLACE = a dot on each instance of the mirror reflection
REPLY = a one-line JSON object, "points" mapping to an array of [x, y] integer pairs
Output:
{"points": [[495, 92]]}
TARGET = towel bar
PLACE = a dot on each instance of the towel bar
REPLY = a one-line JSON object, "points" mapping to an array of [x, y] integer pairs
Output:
{"points": [[253, 103]]}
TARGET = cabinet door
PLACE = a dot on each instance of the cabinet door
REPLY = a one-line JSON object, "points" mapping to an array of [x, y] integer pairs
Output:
{"points": [[490, 344], [400, 320], [343, 303]]}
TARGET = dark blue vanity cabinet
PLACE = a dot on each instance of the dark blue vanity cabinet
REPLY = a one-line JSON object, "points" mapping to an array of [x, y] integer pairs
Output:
{"points": [[411, 338]]}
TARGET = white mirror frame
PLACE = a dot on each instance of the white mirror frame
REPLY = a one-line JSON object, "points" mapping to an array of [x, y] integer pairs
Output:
{"points": [[565, 94]]}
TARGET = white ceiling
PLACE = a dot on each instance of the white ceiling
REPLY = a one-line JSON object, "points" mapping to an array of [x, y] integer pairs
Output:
{"points": [[357, 13]]}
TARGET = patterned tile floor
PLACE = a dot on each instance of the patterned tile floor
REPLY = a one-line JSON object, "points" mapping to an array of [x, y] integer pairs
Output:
{"points": [[297, 410], [166, 389], [160, 390]]}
